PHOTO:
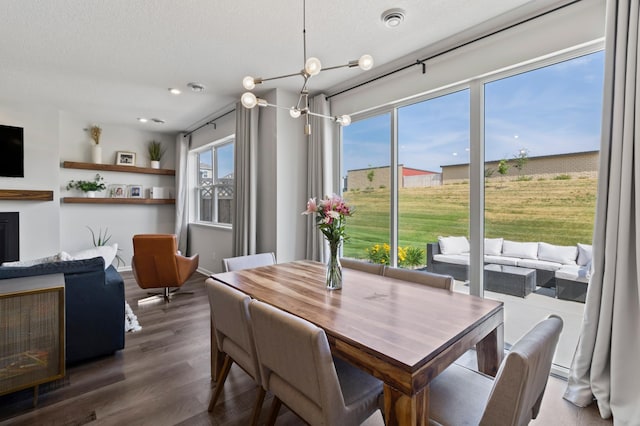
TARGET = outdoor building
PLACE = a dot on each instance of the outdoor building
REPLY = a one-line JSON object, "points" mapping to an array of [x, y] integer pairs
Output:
{"points": [[574, 164], [378, 177]]}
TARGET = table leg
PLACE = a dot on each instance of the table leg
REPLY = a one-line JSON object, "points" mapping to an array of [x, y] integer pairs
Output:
{"points": [[490, 351], [401, 409]]}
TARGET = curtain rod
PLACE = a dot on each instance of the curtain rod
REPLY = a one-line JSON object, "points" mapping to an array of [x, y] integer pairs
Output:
{"points": [[212, 121], [422, 61]]}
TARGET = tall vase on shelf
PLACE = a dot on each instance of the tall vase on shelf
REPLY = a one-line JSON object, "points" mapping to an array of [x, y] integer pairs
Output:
{"points": [[331, 214], [334, 268], [96, 154]]}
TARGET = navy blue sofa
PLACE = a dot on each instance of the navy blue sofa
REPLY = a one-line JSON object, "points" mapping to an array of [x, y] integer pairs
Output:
{"points": [[94, 305]]}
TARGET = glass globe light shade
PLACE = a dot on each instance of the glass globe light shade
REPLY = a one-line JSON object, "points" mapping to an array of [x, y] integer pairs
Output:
{"points": [[344, 120], [365, 62], [313, 66], [249, 100], [248, 82], [294, 112]]}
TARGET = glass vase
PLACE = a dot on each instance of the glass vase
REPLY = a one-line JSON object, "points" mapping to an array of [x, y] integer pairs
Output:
{"points": [[334, 269]]}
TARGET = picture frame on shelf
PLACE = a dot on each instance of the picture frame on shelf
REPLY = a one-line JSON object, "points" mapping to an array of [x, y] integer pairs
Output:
{"points": [[125, 158], [118, 191], [135, 191]]}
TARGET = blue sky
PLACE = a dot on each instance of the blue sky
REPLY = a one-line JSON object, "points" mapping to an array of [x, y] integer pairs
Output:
{"points": [[551, 110]]}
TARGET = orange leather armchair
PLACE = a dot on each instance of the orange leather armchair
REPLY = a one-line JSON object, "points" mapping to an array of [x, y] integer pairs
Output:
{"points": [[156, 263]]}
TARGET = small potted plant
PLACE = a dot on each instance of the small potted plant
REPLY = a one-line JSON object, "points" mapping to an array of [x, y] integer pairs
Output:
{"points": [[89, 187], [155, 153], [96, 150]]}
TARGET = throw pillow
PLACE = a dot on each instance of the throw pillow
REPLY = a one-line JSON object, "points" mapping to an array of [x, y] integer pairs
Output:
{"points": [[559, 254], [521, 250], [48, 259], [453, 245], [585, 254], [493, 246], [107, 252]]}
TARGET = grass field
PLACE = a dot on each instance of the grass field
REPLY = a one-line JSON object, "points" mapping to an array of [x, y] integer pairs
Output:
{"points": [[554, 211]]}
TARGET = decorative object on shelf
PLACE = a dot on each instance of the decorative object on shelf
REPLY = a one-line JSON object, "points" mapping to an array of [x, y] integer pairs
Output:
{"points": [[96, 149], [118, 191], [125, 158], [331, 215], [89, 187], [312, 66], [135, 191], [155, 153]]}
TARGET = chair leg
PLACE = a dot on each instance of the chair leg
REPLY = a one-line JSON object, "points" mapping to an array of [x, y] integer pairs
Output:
{"points": [[165, 295], [275, 408], [258, 406], [221, 379]]}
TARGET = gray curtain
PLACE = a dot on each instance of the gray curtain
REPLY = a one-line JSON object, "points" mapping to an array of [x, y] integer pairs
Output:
{"points": [[605, 365], [245, 181], [182, 192], [319, 167]]}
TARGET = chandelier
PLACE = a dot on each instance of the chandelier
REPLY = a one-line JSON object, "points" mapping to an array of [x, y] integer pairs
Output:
{"points": [[312, 66]]}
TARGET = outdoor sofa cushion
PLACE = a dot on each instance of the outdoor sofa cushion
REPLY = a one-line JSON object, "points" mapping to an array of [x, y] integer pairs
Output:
{"points": [[456, 259], [574, 273], [560, 254], [493, 246], [521, 250], [585, 253], [545, 265], [502, 260], [453, 245]]}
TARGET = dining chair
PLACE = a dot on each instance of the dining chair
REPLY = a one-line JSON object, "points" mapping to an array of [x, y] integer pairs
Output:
{"points": [[296, 366], [156, 263], [420, 277], [249, 261], [234, 338], [361, 265], [462, 396]]}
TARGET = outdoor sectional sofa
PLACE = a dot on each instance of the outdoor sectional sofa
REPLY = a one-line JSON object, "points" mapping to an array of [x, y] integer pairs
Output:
{"points": [[565, 268]]}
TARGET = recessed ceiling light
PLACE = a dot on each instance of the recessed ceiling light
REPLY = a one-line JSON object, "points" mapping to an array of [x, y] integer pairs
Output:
{"points": [[174, 91], [142, 119], [392, 17], [196, 87], [158, 120]]}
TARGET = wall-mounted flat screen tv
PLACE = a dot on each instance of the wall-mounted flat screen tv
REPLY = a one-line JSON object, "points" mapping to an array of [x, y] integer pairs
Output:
{"points": [[11, 151]]}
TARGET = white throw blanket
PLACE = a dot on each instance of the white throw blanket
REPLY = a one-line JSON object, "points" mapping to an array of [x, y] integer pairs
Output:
{"points": [[130, 319]]}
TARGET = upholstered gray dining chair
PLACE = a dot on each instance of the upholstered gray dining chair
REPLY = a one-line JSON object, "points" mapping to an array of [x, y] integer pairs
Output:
{"points": [[249, 261], [361, 265], [297, 367], [420, 277], [234, 338], [462, 396]]}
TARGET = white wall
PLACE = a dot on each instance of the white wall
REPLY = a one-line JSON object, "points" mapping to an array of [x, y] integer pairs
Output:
{"points": [[123, 221], [39, 230]]}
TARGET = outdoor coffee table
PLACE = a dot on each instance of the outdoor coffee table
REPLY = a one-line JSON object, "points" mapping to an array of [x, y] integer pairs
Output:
{"points": [[511, 280]]}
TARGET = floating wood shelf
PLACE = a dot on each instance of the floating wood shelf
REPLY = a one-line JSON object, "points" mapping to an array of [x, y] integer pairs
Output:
{"points": [[25, 194], [87, 200], [116, 168]]}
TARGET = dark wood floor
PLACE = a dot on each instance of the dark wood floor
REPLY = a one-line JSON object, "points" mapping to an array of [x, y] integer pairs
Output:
{"points": [[162, 377]]}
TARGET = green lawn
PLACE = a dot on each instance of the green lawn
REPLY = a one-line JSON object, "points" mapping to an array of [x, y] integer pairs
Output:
{"points": [[554, 211]]}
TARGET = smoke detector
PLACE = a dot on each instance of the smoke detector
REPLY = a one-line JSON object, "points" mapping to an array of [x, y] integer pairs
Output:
{"points": [[392, 18], [196, 87]]}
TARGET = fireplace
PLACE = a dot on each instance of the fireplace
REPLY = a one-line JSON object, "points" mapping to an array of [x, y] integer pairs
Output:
{"points": [[9, 236]]}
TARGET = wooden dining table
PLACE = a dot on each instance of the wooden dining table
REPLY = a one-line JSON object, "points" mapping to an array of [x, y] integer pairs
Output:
{"points": [[403, 333]]}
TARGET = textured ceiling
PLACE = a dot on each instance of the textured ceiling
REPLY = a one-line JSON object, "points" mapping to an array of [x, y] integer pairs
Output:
{"points": [[112, 61]]}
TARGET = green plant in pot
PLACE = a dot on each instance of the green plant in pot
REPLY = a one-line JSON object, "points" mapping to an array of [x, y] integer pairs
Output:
{"points": [[155, 153], [88, 186]]}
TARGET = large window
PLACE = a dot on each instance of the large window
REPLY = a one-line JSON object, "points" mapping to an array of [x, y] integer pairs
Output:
{"points": [[539, 130], [214, 189]]}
